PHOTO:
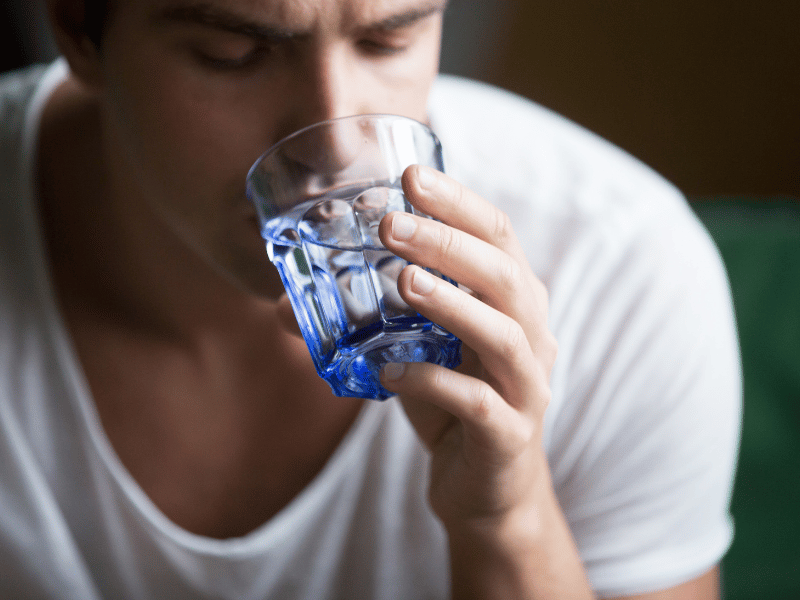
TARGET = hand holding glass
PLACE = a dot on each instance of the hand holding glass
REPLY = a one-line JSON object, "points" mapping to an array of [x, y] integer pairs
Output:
{"points": [[320, 194]]}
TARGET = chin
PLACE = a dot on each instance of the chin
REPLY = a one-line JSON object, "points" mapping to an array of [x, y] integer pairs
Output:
{"points": [[256, 276], [241, 258], [264, 290]]}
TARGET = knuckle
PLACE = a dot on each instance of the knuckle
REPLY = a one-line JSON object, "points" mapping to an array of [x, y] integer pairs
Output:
{"points": [[502, 231], [458, 196], [545, 396], [510, 277], [440, 379], [541, 394], [541, 294], [449, 242], [524, 433], [546, 349], [551, 348], [483, 400], [513, 343]]}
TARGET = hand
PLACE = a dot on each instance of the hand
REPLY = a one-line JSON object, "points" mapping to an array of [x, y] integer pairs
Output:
{"points": [[482, 423]]}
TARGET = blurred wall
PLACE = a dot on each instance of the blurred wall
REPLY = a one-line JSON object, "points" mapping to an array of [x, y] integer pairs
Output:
{"points": [[707, 93], [474, 35]]}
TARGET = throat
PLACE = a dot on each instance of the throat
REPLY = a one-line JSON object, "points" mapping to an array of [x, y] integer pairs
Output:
{"points": [[223, 443]]}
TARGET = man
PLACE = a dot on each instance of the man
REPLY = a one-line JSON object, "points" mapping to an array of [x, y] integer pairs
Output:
{"points": [[164, 433]]}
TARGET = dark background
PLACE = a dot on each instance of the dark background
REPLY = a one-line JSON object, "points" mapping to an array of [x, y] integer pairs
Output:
{"points": [[708, 94]]}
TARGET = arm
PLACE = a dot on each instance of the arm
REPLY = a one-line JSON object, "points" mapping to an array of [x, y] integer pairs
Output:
{"points": [[490, 482], [705, 587]]}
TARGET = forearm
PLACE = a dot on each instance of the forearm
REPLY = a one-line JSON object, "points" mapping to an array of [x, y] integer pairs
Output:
{"points": [[529, 554]]}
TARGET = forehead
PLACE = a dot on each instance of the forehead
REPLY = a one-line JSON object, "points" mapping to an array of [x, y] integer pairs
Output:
{"points": [[303, 14]]}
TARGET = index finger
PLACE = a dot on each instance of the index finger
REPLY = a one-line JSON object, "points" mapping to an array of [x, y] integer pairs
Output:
{"points": [[443, 198]]}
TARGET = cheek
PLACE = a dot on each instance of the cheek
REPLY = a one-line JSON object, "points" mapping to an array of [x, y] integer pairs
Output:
{"points": [[177, 125], [410, 86], [183, 131]]}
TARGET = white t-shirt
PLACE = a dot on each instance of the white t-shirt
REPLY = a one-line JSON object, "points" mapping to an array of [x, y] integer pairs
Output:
{"points": [[641, 434]]}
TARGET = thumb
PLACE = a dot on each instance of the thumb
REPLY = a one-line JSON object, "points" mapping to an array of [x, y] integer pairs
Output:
{"points": [[430, 422]]}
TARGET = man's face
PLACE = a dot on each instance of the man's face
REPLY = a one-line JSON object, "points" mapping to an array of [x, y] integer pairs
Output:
{"points": [[196, 91]]}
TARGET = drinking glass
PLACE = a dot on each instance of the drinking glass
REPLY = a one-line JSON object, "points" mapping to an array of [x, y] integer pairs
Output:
{"points": [[320, 194]]}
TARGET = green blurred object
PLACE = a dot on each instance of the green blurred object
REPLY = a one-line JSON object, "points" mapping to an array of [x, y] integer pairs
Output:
{"points": [[760, 243]]}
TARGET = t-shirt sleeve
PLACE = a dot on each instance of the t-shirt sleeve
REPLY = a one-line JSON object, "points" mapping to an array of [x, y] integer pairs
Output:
{"points": [[644, 430]]}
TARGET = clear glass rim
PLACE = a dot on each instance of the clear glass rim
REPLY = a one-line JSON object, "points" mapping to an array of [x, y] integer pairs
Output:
{"points": [[369, 116]]}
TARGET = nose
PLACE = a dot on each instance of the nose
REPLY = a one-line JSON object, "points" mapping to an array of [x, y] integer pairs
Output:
{"points": [[328, 88], [335, 86], [326, 84]]}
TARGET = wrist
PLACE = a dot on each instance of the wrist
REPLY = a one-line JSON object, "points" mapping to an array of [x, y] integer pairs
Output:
{"points": [[526, 551], [517, 516], [518, 531]]}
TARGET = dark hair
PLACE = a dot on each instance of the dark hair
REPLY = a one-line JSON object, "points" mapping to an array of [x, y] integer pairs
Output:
{"points": [[96, 14]]}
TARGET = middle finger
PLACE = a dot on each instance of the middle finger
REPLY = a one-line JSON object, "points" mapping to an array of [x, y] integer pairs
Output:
{"points": [[492, 274]]}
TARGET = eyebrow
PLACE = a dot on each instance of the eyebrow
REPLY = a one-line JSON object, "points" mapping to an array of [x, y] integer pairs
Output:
{"points": [[409, 17], [206, 13]]}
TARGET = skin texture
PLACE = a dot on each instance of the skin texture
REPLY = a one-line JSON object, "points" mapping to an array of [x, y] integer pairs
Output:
{"points": [[203, 387]]}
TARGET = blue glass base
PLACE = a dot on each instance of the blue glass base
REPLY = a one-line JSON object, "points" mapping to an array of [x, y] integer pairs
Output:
{"points": [[353, 368]]}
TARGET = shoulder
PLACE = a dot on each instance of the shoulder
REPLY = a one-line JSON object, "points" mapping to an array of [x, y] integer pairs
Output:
{"points": [[17, 89], [22, 97], [16, 86], [22, 94]]}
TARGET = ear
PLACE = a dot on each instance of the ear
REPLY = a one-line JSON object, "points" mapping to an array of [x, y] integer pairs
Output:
{"points": [[68, 22]]}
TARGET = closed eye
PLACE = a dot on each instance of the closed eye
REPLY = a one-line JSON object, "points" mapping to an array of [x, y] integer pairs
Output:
{"points": [[232, 62], [374, 48]]}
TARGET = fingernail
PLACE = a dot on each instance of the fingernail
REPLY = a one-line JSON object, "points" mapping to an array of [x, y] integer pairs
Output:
{"points": [[393, 371], [427, 177], [403, 227], [422, 282]]}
